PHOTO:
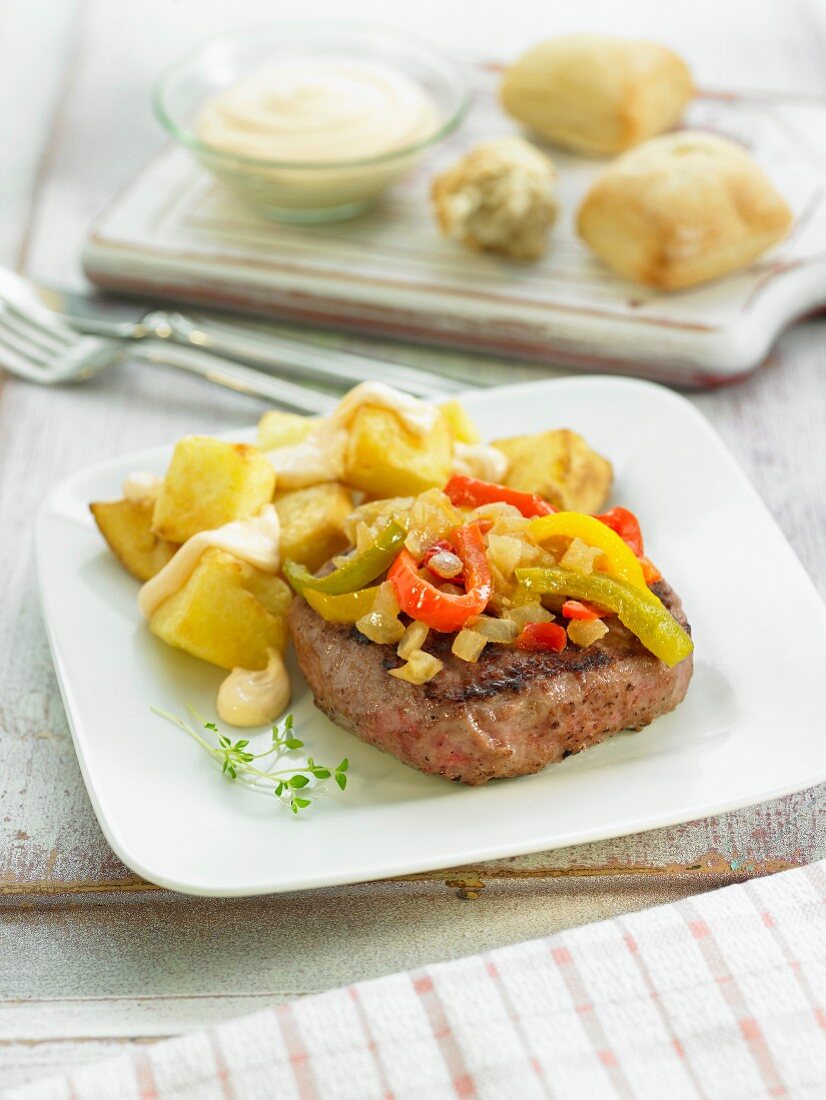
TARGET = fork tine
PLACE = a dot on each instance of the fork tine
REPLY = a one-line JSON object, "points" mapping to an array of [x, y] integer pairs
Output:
{"points": [[21, 365], [28, 329], [20, 345]]}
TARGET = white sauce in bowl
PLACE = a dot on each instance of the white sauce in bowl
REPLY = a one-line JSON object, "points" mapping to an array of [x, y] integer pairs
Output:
{"points": [[315, 110]]}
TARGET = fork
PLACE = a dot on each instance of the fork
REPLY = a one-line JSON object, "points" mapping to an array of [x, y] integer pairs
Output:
{"points": [[53, 308], [47, 352]]}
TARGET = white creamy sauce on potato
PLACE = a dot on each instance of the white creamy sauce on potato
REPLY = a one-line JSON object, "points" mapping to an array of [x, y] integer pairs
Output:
{"points": [[321, 456], [481, 461], [250, 697], [255, 541]]}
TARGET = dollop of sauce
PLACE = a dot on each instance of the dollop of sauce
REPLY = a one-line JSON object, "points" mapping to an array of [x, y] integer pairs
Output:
{"points": [[256, 541], [255, 698], [321, 456], [141, 485], [480, 460], [315, 109]]}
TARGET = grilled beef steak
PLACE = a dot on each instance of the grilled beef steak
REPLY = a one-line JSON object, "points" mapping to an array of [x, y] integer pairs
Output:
{"points": [[509, 714]]}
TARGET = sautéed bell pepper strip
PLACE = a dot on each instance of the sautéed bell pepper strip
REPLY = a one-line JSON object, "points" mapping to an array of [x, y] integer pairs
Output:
{"points": [[357, 571], [542, 637], [627, 526], [618, 560], [580, 609], [639, 609], [470, 492], [349, 607], [444, 611], [650, 571]]}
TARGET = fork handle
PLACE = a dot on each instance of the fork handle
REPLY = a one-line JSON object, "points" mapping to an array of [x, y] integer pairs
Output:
{"points": [[235, 377], [293, 357]]}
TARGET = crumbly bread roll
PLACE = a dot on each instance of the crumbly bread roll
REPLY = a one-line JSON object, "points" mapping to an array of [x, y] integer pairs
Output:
{"points": [[595, 93], [682, 209], [499, 197]]}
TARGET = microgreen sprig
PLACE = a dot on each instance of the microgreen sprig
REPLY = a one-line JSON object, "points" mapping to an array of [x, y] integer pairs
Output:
{"points": [[257, 770]]}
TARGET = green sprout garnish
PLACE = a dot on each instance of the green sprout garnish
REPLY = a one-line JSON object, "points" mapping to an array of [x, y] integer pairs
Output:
{"points": [[238, 763]]}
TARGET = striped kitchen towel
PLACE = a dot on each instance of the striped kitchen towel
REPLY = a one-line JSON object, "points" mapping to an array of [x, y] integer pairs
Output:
{"points": [[721, 996]]}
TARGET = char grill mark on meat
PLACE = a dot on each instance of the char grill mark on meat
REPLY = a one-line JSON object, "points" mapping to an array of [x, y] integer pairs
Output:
{"points": [[509, 714]]}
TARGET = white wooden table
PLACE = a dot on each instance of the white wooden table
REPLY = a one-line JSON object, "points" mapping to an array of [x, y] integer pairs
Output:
{"points": [[91, 957]]}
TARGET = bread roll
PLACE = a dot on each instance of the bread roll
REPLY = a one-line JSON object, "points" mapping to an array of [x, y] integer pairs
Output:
{"points": [[682, 209], [499, 197], [595, 93]]}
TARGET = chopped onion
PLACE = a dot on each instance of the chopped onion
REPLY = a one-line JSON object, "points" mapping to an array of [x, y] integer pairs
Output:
{"points": [[445, 564], [585, 631], [432, 517], [529, 613], [381, 625], [495, 630], [420, 668], [380, 628], [496, 510], [467, 645], [375, 514], [580, 557], [413, 639], [505, 552]]}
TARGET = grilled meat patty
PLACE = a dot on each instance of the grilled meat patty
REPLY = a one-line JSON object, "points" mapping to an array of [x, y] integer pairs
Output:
{"points": [[509, 714]]}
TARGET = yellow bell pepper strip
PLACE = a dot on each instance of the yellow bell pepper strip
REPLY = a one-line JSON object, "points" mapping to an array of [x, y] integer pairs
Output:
{"points": [[619, 560], [640, 610], [358, 570], [346, 608]]}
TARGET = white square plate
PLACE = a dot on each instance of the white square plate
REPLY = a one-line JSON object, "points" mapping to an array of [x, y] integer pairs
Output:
{"points": [[752, 727]]}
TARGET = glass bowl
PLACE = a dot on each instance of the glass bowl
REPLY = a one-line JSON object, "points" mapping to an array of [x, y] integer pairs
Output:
{"points": [[306, 191]]}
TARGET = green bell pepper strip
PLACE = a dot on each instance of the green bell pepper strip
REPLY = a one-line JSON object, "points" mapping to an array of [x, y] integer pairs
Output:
{"points": [[358, 570], [347, 608], [640, 610]]}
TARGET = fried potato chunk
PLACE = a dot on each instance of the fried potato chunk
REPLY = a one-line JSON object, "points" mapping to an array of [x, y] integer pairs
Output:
{"points": [[127, 527], [209, 483], [226, 613], [560, 466], [385, 459], [460, 423], [283, 429], [312, 522]]}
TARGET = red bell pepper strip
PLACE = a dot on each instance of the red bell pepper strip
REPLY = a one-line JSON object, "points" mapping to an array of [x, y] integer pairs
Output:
{"points": [[626, 525], [470, 492], [542, 637], [579, 609], [649, 571], [444, 611]]}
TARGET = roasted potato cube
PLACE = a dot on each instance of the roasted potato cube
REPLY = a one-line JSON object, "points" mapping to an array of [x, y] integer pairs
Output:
{"points": [[560, 466], [385, 459], [460, 423], [312, 523], [224, 613], [209, 483], [283, 429], [127, 527]]}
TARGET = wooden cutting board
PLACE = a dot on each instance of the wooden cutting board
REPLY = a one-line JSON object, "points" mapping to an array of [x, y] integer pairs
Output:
{"points": [[174, 232]]}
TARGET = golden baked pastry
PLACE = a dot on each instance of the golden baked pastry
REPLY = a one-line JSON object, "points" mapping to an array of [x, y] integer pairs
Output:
{"points": [[596, 93], [499, 197], [682, 209]]}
